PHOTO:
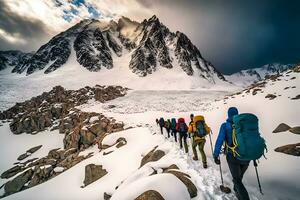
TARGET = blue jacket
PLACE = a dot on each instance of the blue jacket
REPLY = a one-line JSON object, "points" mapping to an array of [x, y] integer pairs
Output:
{"points": [[225, 133]]}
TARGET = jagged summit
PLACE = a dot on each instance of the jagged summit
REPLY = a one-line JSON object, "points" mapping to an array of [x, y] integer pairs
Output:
{"points": [[150, 45]]}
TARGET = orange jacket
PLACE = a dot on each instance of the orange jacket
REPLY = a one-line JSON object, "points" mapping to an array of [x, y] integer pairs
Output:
{"points": [[192, 126]]}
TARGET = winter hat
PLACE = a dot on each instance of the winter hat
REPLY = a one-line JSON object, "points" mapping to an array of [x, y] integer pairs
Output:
{"points": [[231, 112]]}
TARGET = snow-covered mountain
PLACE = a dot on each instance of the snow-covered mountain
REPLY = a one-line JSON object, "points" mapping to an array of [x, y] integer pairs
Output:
{"points": [[150, 45], [13, 59], [248, 76]]}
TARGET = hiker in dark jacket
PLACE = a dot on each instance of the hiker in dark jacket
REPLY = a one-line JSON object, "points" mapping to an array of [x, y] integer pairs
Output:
{"points": [[161, 124], [168, 127], [157, 122], [182, 129], [236, 167], [173, 129]]}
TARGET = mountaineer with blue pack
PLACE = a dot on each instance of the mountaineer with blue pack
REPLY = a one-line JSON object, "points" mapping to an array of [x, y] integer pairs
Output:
{"points": [[243, 143]]}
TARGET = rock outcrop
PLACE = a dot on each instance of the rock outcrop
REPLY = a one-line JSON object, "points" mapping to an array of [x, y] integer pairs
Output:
{"points": [[153, 155], [290, 149], [93, 173], [150, 195]]}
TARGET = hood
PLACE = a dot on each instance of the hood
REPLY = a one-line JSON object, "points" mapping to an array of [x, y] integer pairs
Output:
{"points": [[231, 112], [180, 120]]}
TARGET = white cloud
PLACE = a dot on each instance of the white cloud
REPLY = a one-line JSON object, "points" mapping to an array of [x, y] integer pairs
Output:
{"points": [[11, 38]]}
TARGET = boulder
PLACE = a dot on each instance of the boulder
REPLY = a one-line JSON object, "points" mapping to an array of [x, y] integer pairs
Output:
{"points": [[106, 196], [153, 155], [40, 175], [34, 149], [150, 195], [12, 172], [296, 97], [295, 130], [290, 149], [18, 183], [23, 156], [192, 189], [270, 96], [121, 142], [281, 128], [93, 173]]}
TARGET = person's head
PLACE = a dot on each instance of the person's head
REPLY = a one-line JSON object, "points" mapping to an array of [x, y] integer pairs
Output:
{"points": [[192, 116], [232, 111]]}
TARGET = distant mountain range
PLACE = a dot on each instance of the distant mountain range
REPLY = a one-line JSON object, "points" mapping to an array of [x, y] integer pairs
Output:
{"points": [[248, 76], [97, 44]]}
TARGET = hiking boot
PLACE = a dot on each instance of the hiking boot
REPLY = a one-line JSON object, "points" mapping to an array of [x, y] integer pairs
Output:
{"points": [[204, 165], [195, 158]]}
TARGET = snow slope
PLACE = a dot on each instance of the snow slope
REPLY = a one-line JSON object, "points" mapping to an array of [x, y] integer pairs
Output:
{"points": [[279, 173]]}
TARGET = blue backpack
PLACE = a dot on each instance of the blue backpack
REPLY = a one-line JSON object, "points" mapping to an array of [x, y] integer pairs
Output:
{"points": [[247, 141], [173, 124], [182, 127], [161, 122], [200, 130]]}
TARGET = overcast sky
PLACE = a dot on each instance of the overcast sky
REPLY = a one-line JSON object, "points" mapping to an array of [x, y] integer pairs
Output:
{"points": [[232, 34]]}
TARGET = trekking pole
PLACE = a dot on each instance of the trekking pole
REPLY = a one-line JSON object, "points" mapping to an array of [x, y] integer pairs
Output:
{"points": [[255, 165], [212, 151]]}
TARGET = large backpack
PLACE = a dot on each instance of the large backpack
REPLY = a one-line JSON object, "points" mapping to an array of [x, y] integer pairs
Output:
{"points": [[182, 127], [161, 122], [200, 129], [173, 124], [247, 142]]}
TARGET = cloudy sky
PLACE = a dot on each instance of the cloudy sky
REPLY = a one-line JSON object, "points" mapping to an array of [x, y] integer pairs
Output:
{"points": [[232, 34]]}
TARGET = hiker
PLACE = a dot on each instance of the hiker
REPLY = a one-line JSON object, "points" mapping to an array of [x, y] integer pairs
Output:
{"points": [[168, 126], [182, 129], [199, 129], [191, 117], [157, 122], [173, 129], [161, 124], [237, 167]]}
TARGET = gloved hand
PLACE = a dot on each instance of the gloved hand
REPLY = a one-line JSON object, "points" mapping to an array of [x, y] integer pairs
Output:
{"points": [[217, 160]]}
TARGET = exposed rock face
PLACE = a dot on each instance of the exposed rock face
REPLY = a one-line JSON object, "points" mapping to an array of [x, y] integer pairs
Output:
{"points": [[296, 97], [92, 55], [185, 178], [96, 43], [281, 128], [46, 110], [93, 173], [11, 172], [153, 155], [13, 59], [295, 130], [18, 183], [150, 195], [56, 109], [290, 149]]}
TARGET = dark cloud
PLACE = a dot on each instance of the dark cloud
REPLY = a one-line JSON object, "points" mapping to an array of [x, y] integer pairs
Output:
{"points": [[235, 34], [32, 31]]}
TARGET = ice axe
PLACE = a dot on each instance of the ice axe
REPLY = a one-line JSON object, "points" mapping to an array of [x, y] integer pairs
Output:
{"points": [[223, 188]]}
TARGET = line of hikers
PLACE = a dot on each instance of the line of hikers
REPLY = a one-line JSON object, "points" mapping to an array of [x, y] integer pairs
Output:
{"points": [[239, 135]]}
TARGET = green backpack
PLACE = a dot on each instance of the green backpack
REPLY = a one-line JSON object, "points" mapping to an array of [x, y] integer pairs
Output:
{"points": [[247, 141]]}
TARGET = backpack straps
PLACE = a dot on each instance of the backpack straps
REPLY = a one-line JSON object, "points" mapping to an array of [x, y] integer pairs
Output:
{"points": [[234, 143]]}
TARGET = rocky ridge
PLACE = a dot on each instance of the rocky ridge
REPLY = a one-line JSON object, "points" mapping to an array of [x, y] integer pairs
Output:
{"points": [[55, 110]]}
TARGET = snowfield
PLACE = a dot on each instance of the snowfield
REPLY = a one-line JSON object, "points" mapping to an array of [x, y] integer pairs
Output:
{"points": [[279, 173]]}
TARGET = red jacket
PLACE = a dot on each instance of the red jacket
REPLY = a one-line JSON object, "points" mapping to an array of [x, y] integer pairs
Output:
{"points": [[181, 120]]}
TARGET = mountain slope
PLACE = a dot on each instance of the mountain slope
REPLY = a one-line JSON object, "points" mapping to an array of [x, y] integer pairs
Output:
{"points": [[248, 76], [97, 45]]}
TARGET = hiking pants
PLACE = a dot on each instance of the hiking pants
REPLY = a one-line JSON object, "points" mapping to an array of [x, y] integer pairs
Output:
{"points": [[161, 129], [238, 169], [168, 131], [200, 143], [182, 138], [174, 133]]}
